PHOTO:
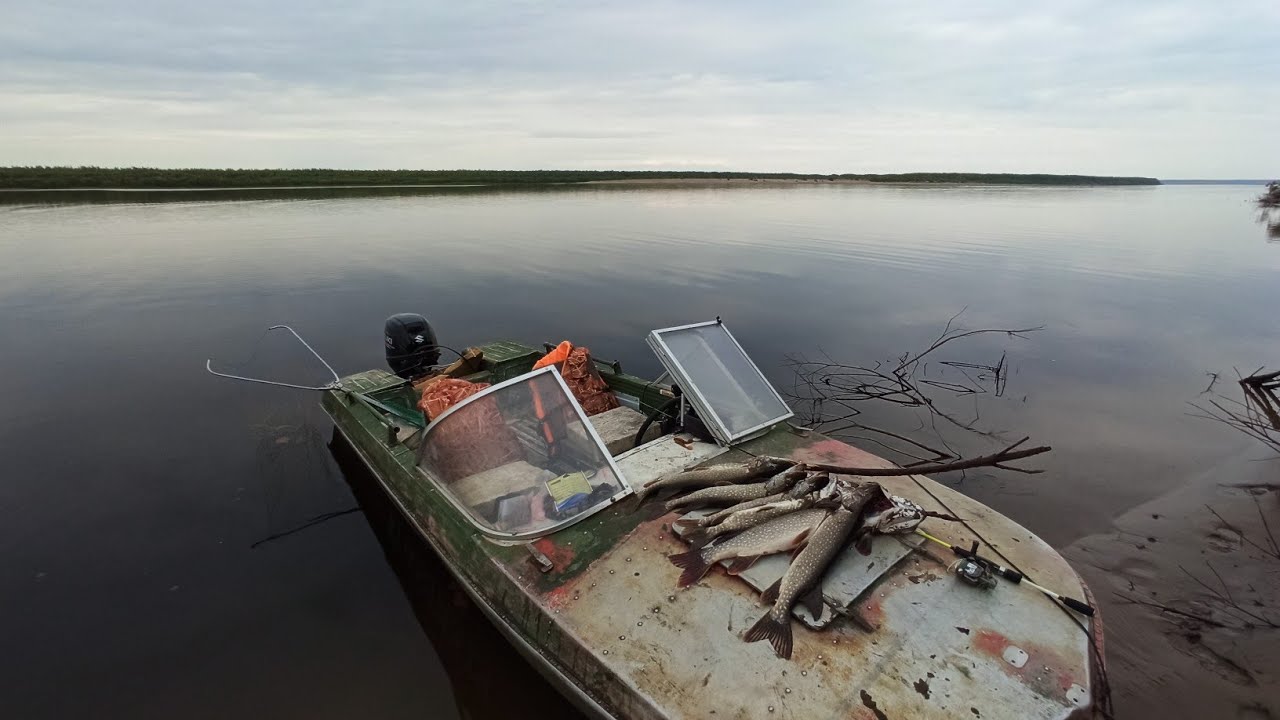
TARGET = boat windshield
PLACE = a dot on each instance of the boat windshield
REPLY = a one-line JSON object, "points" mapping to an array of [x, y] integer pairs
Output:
{"points": [[520, 458], [728, 391]]}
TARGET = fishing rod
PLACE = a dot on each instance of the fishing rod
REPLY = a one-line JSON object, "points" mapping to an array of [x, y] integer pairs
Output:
{"points": [[981, 574]]}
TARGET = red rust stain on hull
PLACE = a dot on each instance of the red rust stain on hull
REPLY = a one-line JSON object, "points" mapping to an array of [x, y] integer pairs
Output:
{"points": [[991, 643], [872, 612], [1045, 671], [834, 452], [559, 555]]}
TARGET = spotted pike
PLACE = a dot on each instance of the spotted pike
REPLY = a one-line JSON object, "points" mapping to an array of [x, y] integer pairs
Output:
{"points": [[804, 486], [778, 535], [731, 494], [749, 518], [803, 579], [724, 474]]}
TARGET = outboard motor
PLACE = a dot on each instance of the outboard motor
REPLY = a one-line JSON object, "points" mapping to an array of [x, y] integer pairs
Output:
{"points": [[411, 345]]}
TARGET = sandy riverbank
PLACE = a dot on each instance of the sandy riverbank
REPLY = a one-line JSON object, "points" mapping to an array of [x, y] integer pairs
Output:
{"points": [[1187, 596]]}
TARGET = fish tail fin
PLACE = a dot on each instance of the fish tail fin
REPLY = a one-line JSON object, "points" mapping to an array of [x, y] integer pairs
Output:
{"points": [[693, 564], [777, 632]]}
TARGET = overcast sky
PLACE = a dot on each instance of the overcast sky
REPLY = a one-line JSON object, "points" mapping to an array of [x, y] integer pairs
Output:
{"points": [[1165, 88]]}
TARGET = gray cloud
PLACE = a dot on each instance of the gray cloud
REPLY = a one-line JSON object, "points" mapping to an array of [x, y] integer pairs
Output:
{"points": [[1167, 88]]}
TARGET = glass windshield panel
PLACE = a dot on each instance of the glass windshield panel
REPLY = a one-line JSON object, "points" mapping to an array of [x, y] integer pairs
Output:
{"points": [[710, 365], [521, 458]]}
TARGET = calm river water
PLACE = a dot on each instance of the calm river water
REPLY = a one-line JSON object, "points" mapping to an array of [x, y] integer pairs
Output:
{"points": [[135, 485]]}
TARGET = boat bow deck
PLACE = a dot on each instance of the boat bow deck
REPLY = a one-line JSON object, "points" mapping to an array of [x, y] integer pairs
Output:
{"points": [[608, 619]]}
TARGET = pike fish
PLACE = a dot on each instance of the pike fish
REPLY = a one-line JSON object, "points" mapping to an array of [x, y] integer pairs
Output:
{"points": [[730, 494], [804, 486], [802, 582], [725, 474], [778, 535], [749, 518]]}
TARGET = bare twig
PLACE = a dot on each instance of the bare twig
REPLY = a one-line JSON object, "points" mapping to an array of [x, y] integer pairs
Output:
{"points": [[1221, 582], [1258, 416], [997, 459], [1275, 549], [1244, 537], [1172, 610], [1213, 379], [1227, 600]]}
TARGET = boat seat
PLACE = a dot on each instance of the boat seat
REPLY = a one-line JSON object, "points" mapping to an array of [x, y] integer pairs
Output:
{"points": [[617, 428], [484, 487]]}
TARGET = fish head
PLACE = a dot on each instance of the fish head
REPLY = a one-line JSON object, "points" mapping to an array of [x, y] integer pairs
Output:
{"points": [[785, 479], [854, 496], [808, 484], [767, 465], [901, 516], [830, 489]]}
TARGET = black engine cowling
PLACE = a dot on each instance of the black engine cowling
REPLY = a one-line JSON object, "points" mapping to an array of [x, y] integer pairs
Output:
{"points": [[411, 345]]}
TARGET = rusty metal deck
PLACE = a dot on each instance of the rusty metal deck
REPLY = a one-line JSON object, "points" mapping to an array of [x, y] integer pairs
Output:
{"points": [[608, 618], [943, 649]]}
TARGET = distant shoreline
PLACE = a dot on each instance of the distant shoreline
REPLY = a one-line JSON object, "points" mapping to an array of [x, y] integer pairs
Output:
{"points": [[94, 178]]}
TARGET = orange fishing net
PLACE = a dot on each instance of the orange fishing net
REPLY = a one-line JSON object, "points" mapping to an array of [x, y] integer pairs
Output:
{"points": [[475, 438], [441, 393], [589, 389]]}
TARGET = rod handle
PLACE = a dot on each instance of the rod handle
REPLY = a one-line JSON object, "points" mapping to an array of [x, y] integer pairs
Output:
{"points": [[1074, 604], [1012, 576]]}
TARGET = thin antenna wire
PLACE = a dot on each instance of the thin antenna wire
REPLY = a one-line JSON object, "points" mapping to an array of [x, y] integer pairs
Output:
{"points": [[208, 365]]}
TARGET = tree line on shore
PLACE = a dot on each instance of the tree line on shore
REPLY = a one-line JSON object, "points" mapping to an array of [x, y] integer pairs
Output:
{"points": [[41, 177]]}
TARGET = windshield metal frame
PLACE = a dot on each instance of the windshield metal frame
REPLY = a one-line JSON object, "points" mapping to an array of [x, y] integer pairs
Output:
{"points": [[586, 421], [700, 401]]}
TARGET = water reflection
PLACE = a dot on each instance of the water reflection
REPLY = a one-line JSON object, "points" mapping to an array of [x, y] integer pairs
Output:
{"points": [[130, 471], [488, 678], [1269, 210]]}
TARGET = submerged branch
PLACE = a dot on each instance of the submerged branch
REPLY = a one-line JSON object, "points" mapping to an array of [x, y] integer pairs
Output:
{"points": [[1257, 416]]}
